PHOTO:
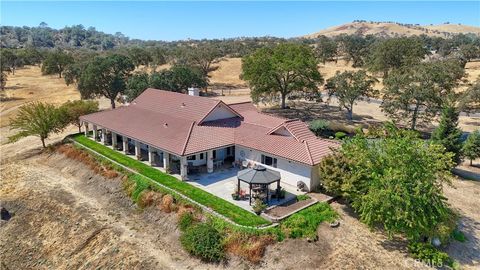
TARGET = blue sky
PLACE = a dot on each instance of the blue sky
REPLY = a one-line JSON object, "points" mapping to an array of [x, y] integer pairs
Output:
{"points": [[182, 20]]}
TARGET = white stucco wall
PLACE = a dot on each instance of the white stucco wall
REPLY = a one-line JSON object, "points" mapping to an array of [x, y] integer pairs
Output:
{"points": [[221, 112], [290, 171], [221, 154]]}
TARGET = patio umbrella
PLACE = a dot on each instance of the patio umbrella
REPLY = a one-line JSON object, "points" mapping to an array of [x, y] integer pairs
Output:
{"points": [[258, 175]]}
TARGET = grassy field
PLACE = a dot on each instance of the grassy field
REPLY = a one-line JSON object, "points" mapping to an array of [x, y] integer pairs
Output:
{"points": [[227, 209], [29, 85]]}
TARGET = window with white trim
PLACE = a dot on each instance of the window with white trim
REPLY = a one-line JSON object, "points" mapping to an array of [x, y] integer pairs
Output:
{"points": [[269, 161]]}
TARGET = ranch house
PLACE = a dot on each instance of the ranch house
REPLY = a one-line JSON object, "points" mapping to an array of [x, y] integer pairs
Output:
{"points": [[189, 135]]}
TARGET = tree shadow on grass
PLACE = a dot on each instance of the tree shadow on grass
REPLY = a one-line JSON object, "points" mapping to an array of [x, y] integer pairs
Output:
{"points": [[469, 175], [14, 87], [10, 98], [308, 111], [468, 252]]}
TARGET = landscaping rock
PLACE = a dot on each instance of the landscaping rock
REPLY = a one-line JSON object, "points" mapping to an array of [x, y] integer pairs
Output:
{"points": [[5, 215]]}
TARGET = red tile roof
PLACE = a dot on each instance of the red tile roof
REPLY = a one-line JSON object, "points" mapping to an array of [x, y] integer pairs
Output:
{"points": [[172, 122]]}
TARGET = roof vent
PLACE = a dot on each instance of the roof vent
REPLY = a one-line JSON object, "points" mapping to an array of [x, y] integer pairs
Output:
{"points": [[165, 125], [183, 104]]}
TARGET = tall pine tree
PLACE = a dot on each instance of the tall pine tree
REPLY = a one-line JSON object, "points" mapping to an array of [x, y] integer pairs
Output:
{"points": [[471, 147], [448, 134]]}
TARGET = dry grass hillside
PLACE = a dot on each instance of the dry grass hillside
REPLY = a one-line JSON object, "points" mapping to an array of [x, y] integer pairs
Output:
{"points": [[29, 85], [394, 29]]}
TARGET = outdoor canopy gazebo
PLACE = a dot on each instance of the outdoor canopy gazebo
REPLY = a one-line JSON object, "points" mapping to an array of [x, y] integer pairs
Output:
{"points": [[261, 176]]}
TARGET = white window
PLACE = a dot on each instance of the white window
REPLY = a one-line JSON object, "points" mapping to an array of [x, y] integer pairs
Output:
{"points": [[270, 161]]}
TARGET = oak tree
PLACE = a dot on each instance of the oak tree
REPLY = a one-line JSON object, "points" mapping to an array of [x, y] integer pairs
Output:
{"points": [[281, 70], [349, 87], [105, 76]]}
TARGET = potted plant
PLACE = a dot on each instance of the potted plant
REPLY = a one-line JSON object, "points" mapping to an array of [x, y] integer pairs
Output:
{"points": [[281, 194], [235, 195], [258, 206]]}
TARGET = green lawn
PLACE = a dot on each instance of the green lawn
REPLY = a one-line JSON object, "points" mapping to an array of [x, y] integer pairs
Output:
{"points": [[227, 209], [305, 222]]}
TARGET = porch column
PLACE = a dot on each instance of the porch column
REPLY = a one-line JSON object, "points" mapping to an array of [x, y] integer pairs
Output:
{"points": [[125, 144], [138, 152], [151, 155], [104, 136], [95, 133], [85, 124], [114, 140], [210, 161], [166, 161], [183, 168]]}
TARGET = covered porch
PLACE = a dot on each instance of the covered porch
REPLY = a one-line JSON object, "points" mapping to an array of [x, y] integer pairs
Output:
{"points": [[210, 161], [155, 157], [183, 167]]}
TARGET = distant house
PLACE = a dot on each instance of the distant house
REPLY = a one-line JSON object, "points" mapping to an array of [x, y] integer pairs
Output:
{"points": [[189, 134]]}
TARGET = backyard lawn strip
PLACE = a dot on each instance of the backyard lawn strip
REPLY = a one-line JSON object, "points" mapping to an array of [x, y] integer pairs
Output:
{"points": [[227, 209]]}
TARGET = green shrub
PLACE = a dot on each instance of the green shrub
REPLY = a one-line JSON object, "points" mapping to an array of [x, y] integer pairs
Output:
{"points": [[302, 197], [340, 135], [204, 241], [141, 184], [429, 255], [459, 236], [186, 221], [319, 126], [305, 222], [259, 206]]}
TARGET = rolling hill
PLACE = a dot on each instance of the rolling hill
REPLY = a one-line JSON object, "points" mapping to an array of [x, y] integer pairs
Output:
{"points": [[391, 29]]}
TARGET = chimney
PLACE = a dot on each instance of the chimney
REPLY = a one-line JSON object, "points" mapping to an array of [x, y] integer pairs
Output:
{"points": [[193, 91]]}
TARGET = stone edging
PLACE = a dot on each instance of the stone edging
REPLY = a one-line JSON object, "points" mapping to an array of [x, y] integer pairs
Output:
{"points": [[277, 219], [205, 208]]}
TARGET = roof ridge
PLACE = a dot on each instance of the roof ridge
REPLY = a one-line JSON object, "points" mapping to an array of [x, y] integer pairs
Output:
{"points": [[184, 148], [293, 133], [286, 127], [308, 152], [270, 131], [242, 102]]}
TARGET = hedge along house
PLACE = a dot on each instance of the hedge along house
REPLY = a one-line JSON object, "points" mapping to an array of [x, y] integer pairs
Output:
{"points": [[188, 134]]}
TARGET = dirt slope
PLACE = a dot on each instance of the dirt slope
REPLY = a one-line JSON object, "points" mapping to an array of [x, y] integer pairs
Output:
{"points": [[66, 217]]}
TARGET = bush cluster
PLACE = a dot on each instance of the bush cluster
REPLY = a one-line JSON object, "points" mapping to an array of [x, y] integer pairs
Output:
{"points": [[185, 221], [326, 129], [428, 254], [82, 156], [305, 222], [204, 241], [248, 246]]}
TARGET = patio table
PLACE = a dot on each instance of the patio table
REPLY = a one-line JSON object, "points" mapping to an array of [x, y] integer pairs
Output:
{"points": [[217, 163]]}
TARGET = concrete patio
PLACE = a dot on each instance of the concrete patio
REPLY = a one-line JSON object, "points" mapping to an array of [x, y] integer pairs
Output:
{"points": [[223, 182]]}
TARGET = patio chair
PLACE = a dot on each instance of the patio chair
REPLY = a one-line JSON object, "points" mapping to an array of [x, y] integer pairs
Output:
{"points": [[192, 169], [243, 194]]}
